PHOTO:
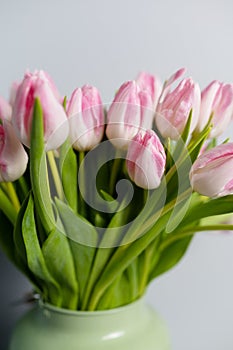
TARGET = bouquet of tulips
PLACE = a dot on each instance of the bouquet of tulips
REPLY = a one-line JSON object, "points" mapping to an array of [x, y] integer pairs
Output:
{"points": [[96, 201]]}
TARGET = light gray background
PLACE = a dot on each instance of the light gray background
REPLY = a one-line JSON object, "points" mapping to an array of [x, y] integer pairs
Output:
{"points": [[105, 43]]}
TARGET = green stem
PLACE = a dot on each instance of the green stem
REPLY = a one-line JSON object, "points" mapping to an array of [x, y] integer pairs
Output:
{"points": [[56, 176], [6, 206], [141, 229], [132, 274], [126, 253], [10, 190], [23, 185], [146, 269], [81, 178], [114, 171], [191, 231]]}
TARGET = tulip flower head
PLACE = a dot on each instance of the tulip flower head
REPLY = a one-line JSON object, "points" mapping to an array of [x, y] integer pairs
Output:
{"points": [[151, 84], [5, 109], [146, 160], [131, 111], [216, 98], [13, 92], [13, 158], [174, 107], [211, 174], [86, 118], [38, 85]]}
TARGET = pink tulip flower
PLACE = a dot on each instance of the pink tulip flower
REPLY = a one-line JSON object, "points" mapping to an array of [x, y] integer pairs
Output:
{"points": [[216, 98], [13, 158], [211, 174], [13, 92], [56, 129], [86, 118], [5, 109], [150, 83], [174, 107], [146, 160], [131, 111]]}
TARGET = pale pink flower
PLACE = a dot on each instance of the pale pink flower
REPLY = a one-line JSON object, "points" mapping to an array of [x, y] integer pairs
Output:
{"points": [[216, 98], [211, 174], [13, 92], [38, 85], [146, 160], [86, 118], [13, 158], [5, 109], [174, 107], [130, 111], [151, 84]]}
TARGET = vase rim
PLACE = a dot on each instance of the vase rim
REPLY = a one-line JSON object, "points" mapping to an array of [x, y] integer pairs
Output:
{"points": [[59, 310]]}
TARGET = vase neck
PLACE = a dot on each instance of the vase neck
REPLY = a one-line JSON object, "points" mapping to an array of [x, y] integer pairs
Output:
{"points": [[118, 318]]}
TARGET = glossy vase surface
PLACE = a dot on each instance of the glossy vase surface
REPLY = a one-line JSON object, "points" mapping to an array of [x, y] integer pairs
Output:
{"points": [[133, 327]]}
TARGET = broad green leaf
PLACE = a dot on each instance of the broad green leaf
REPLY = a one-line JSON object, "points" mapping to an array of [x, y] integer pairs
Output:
{"points": [[83, 242], [197, 142], [38, 170], [58, 258], [35, 259], [117, 294], [18, 238], [20, 256], [170, 256], [154, 204], [111, 238], [69, 171], [123, 257], [212, 207]]}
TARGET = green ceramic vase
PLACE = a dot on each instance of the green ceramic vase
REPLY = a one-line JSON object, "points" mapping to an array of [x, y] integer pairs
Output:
{"points": [[135, 326]]}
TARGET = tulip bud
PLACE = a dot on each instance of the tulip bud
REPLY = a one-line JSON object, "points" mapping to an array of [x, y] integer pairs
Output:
{"points": [[211, 174], [13, 158], [216, 98], [146, 160], [38, 85], [13, 92], [151, 84], [5, 109], [131, 110], [174, 107], [86, 118]]}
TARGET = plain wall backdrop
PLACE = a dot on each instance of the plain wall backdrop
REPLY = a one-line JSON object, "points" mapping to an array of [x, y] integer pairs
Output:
{"points": [[105, 43]]}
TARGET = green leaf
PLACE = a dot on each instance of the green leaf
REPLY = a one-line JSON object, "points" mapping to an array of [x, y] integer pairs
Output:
{"points": [[183, 138], [211, 207], [58, 258], [111, 203], [132, 273], [69, 171], [83, 243], [18, 238], [170, 256], [35, 259], [123, 257], [111, 239], [197, 142], [117, 294], [38, 170]]}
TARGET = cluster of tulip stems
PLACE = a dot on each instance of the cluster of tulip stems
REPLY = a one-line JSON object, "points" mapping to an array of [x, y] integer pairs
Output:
{"points": [[95, 200]]}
